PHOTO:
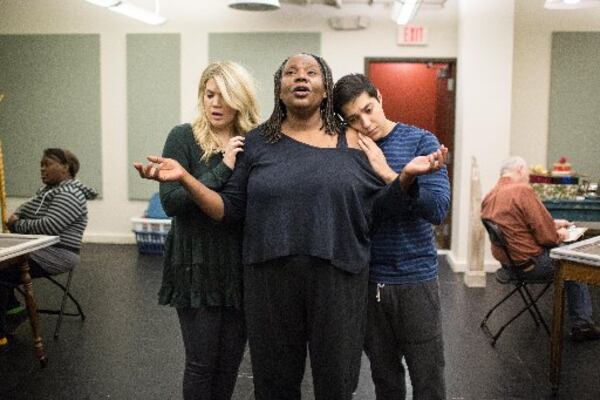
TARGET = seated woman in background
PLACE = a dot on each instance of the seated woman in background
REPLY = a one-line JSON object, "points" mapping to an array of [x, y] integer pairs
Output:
{"points": [[59, 208]]}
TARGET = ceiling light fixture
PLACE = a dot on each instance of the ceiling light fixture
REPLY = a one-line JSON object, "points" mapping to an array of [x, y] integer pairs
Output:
{"points": [[570, 4], [254, 5], [403, 11], [132, 11], [103, 3]]}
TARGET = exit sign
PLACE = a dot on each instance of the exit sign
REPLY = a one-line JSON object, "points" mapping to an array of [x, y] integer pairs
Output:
{"points": [[412, 35]]}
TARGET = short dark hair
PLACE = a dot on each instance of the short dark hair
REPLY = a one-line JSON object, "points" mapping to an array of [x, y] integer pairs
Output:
{"points": [[64, 157], [348, 88]]}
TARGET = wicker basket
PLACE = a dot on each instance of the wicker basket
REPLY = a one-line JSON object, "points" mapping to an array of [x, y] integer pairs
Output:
{"points": [[150, 234]]}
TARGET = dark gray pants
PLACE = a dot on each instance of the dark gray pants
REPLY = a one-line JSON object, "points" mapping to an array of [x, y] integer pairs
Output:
{"points": [[214, 339], [297, 301], [404, 321]]}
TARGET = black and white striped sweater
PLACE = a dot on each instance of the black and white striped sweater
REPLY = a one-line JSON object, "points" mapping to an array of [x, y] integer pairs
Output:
{"points": [[59, 210]]}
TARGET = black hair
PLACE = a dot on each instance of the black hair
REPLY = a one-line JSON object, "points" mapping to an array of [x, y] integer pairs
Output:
{"points": [[271, 128], [348, 88], [64, 157]]}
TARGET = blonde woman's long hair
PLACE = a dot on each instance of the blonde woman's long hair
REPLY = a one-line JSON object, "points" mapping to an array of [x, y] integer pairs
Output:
{"points": [[238, 91]]}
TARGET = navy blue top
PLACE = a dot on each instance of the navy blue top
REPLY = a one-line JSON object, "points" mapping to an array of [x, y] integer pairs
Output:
{"points": [[403, 248], [297, 199]]}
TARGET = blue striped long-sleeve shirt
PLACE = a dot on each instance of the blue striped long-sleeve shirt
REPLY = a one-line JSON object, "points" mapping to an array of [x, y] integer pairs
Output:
{"points": [[403, 249]]}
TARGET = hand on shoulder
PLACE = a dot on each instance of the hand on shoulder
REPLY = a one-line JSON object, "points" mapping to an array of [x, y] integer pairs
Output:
{"points": [[376, 158], [234, 146]]}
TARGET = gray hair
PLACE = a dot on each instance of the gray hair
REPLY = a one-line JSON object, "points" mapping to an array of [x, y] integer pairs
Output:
{"points": [[512, 164]]}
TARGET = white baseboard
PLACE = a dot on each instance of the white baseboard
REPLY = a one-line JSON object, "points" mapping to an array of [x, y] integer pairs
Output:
{"points": [[489, 266], [456, 265], [112, 238]]}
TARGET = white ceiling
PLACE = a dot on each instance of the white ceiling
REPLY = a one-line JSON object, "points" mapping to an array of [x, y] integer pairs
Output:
{"points": [[199, 10], [341, 3]]}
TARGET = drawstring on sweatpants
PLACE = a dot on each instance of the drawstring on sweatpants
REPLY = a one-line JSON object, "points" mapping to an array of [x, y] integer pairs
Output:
{"points": [[378, 295]]}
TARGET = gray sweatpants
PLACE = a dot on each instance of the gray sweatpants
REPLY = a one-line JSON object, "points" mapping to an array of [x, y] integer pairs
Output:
{"points": [[404, 321]]}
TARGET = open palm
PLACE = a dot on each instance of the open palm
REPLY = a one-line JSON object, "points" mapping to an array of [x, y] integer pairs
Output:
{"points": [[422, 165], [161, 169]]}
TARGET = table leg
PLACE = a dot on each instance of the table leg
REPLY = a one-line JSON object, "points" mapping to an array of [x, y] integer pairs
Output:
{"points": [[33, 315], [557, 324]]}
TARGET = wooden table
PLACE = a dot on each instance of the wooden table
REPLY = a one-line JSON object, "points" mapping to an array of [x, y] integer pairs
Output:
{"points": [[577, 262], [14, 251]]}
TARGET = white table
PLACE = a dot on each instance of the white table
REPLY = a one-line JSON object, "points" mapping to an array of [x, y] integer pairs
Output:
{"points": [[14, 251], [579, 262]]}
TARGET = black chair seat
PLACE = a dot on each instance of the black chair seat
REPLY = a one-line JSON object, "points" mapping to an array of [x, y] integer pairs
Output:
{"points": [[505, 276]]}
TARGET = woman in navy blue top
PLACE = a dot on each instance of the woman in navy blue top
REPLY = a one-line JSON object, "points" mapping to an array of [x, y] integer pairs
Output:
{"points": [[305, 191]]}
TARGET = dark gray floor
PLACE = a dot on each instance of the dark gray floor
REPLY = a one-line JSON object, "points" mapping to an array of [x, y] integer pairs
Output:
{"points": [[130, 348]]}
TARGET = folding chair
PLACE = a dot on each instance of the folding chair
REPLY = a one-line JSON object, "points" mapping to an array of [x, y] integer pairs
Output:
{"points": [[66, 295], [503, 276]]}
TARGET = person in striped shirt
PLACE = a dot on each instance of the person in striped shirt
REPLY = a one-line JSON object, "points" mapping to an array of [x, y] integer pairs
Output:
{"points": [[404, 313], [58, 208]]}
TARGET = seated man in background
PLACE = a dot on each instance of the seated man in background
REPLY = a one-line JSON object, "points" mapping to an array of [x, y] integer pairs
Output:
{"points": [[404, 311], [58, 208], [530, 232]]}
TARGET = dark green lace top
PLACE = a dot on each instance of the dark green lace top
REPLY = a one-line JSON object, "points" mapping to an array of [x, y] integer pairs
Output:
{"points": [[202, 265]]}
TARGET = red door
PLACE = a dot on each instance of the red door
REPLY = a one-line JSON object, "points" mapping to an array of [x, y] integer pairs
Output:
{"points": [[420, 93]]}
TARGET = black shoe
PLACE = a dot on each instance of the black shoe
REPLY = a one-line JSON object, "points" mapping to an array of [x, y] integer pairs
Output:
{"points": [[585, 333]]}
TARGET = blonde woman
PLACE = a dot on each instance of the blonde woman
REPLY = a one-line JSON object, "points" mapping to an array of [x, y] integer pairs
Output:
{"points": [[202, 275]]}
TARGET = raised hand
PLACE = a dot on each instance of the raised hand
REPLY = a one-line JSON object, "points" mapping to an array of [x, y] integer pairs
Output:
{"points": [[233, 147], [161, 169]]}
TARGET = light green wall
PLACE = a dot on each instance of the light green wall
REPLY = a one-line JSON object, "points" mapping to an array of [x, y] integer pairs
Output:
{"points": [[262, 53], [153, 100], [51, 87], [574, 117]]}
